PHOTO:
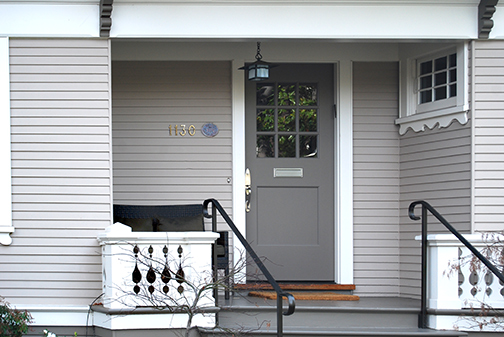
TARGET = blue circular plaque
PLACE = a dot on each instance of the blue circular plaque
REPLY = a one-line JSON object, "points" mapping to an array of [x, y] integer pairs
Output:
{"points": [[209, 130]]}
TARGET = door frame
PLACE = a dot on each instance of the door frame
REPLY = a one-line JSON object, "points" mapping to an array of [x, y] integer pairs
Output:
{"points": [[343, 165]]}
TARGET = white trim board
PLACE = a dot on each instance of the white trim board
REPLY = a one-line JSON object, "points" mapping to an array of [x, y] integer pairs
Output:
{"points": [[5, 144], [50, 19], [232, 20], [344, 174]]}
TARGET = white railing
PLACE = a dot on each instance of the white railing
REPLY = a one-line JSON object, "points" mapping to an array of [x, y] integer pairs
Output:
{"points": [[455, 288], [149, 300]]}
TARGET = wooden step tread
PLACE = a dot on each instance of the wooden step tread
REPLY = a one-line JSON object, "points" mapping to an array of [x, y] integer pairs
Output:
{"points": [[296, 286], [307, 296]]}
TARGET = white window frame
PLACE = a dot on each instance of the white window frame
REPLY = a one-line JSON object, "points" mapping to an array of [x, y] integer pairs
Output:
{"points": [[443, 112]]}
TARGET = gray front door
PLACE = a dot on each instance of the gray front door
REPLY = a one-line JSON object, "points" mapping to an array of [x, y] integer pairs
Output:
{"points": [[290, 154]]}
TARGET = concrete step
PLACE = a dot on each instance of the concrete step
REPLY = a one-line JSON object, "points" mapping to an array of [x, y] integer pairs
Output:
{"points": [[356, 332], [367, 317]]}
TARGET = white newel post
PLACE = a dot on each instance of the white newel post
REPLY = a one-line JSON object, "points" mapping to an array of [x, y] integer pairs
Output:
{"points": [[451, 291], [118, 264], [442, 282]]}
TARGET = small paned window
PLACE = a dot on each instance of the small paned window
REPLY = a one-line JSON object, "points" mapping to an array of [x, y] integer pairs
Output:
{"points": [[437, 79]]}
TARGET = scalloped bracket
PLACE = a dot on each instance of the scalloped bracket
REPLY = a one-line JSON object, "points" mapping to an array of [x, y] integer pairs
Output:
{"points": [[418, 122]]}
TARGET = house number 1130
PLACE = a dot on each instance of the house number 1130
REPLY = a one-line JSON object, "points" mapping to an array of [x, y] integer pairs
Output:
{"points": [[180, 130]]}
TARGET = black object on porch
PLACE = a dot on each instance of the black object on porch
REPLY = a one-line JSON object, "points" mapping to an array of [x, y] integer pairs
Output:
{"points": [[422, 319]]}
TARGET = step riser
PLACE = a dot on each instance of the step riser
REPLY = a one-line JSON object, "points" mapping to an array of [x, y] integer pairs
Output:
{"points": [[329, 320]]}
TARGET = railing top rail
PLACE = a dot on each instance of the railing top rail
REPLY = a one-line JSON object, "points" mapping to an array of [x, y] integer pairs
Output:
{"points": [[252, 253], [462, 239]]}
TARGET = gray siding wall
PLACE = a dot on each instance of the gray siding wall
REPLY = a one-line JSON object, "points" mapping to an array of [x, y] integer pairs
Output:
{"points": [[435, 167], [61, 171], [488, 132], [376, 179], [150, 166]]}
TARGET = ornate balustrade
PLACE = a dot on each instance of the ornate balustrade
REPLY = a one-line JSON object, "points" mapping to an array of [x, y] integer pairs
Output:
{"points": [[457, 285], [161, 273]]}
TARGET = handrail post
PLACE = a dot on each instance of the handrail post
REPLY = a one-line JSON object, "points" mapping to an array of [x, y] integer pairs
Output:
{"points": [[279, 316], [422, 318], [215, 276]]}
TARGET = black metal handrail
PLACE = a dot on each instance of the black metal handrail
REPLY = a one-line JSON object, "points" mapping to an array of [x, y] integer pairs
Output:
{"points": [[280, 293], [422, 319]]}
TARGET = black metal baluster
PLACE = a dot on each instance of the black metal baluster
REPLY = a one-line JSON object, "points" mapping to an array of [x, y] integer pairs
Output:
{"points": [[151, 274], [166, 275], [180, 276], [136, 275]]}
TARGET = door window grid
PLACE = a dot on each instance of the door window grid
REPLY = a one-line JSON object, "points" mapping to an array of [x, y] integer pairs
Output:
{"points": [[286, 120]]}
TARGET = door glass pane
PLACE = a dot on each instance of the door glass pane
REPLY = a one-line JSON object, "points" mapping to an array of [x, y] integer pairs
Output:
{"points": [[287, 146], [308, 94], [265, 94], [286, 120], [286, 94], [265, 146], [265, 119], [308, 120], [308, 146]]}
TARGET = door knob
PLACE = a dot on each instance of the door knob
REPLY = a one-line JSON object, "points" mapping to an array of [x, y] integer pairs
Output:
{"points": [[248, 190]]}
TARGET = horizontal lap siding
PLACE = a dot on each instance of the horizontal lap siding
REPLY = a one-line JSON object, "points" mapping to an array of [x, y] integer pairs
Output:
{"points": [[61, 171], [435, 167], [489, 136], [150, 166], [376, 179]]}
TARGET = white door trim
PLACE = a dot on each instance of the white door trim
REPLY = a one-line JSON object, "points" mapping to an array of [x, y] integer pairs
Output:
{"points": [[238, 134], [344, 173]]}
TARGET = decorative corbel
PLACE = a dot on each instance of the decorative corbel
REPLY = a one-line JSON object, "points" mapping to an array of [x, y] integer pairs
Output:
{"points": [[486, 10], [105, 17]]}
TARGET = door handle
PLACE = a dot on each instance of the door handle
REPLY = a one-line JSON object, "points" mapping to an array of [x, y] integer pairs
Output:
{"points": [[248, 190]]}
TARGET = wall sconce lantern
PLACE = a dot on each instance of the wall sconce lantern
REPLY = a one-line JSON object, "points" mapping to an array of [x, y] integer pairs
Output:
{"points": [[259, 70]]}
